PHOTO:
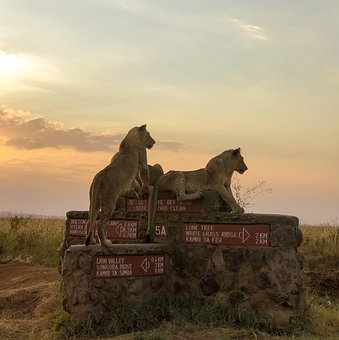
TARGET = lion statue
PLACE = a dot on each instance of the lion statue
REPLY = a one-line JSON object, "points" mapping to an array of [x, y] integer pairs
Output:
{"points": [[155, 172], [116, 179], [190, 185]]}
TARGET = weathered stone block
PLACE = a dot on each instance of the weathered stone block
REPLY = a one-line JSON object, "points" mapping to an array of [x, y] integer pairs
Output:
{"points": [[209, 285]]}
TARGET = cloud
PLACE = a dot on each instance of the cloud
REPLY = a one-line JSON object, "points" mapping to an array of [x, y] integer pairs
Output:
{"points": [[22, 130], [172, 146], [253, 31]]}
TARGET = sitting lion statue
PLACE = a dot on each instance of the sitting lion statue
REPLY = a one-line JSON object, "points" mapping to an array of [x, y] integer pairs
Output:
{"points": [[190, 185], [116, 179]]}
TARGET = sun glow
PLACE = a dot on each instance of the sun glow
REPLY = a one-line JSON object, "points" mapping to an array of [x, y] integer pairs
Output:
{"points": [[14, 65]]}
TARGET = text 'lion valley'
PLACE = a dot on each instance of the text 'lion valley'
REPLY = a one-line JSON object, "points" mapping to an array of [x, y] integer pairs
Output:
{"points": [[227, 234], [129, 265]]}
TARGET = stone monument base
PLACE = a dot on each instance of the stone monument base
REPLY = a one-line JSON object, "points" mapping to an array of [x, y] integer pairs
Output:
{"points": [[239, 260]]}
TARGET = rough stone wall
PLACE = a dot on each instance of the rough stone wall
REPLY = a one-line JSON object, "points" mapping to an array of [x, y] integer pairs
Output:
{"points": [[249, 259], [86, 294]]}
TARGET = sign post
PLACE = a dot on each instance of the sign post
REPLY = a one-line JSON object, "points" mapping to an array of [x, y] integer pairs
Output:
{"points": [[227, 234], [165, 206], [115, 229], [115, 266]]}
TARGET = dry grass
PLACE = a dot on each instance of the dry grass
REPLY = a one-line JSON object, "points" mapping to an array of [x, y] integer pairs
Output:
{"points": [[29, 239], [320, 246]]}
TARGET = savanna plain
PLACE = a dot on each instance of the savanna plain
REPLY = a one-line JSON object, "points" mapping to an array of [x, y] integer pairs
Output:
{"points": [[31, 301]]}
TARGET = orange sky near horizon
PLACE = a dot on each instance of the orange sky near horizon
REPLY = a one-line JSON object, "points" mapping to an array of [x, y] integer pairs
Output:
{"points": [[54, 180], [204, 76]]}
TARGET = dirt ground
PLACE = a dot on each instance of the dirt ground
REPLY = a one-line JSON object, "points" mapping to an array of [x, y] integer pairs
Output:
{"points": [[18, 275], [28, 296], [324, 283]]}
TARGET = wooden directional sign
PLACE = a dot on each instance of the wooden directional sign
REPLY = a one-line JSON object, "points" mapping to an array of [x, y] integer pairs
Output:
{"points": [[175, 206], [122, 229], [137, 205], [77, 227], [129, 265], [165, 205], [115, 229], [227, 234]]}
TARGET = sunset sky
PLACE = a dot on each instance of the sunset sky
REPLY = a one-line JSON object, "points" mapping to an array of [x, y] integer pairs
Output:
{"points": [[206, 76]]}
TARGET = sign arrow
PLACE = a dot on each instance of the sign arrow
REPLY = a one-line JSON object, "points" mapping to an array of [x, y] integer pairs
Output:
{"points": [[120, 230], [245, 235], [145, 265]]}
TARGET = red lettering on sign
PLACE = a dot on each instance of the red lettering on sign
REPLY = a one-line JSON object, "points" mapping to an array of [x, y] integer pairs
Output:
{"points": [[77, 227], [129, 265], [122, 229], [165, 205], [115, 229], [176, 206], [227, 234], [137, 205]]}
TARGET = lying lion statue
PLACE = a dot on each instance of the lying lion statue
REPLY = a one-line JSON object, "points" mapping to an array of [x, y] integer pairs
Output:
{"points": [[190, 185], [155, 172], [116, 179]]}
